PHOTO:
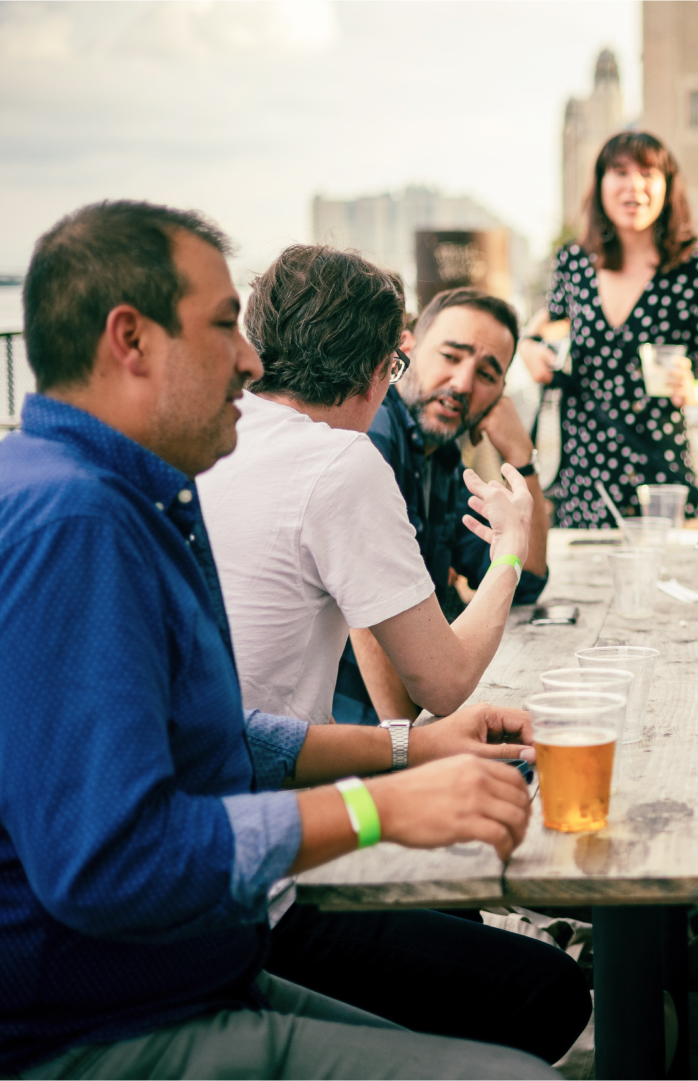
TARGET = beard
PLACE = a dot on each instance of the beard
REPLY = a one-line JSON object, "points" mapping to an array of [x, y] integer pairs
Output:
{"points": [[436, 433]]}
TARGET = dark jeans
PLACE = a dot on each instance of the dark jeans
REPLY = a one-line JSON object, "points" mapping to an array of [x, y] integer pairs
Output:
{"points": [[435, 973]]}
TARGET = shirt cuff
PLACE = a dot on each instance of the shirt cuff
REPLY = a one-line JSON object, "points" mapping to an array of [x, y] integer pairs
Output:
{"points": [[274, 743], [267, 836]]}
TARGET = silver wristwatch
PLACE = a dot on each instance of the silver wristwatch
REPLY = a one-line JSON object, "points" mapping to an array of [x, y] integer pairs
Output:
{"points": [[399, 737]]}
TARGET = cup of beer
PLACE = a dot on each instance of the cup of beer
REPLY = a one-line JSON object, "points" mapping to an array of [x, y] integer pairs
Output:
{"points": [[575, 734], [605, 680]]}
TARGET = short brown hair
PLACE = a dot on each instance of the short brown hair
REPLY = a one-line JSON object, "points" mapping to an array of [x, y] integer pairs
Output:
{"points": [[92, 260], [323, 321], [673, 231], [465, 297]]}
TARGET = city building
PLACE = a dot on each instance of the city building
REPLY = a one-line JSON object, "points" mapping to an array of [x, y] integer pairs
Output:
{"points": [[385, 229], [670, 82], [588, 124]]}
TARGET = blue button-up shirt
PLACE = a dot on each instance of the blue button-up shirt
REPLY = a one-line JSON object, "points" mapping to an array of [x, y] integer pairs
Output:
{"points": [[136, 847], [443, 539]]}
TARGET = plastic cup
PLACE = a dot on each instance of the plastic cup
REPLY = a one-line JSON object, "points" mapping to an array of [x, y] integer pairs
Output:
{"points": [[605, 680], [637, 659], [647, 532], [657, 361], [663, 501], [635, 576], [575, 734]]}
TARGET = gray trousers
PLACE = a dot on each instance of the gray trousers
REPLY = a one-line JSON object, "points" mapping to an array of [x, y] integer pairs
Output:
{"points": [[304, 1036]]}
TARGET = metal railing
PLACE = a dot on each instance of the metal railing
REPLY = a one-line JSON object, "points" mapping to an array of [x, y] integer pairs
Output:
{"points": [[16, 378]]}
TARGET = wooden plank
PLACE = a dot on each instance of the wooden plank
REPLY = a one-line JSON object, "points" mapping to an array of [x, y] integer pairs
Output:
{"points": [[649, 851], [390, 876]]}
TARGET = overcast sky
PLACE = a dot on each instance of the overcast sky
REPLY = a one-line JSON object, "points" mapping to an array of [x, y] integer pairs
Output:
{"points": [[247, 109]]}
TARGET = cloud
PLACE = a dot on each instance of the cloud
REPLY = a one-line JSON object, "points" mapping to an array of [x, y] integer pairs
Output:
{"points": [[34, 32], [208, 29]]}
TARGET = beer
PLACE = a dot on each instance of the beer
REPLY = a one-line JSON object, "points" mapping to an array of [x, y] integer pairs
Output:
{"points": [[574, 767]]}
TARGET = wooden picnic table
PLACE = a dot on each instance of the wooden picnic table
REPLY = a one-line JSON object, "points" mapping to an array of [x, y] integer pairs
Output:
{"points": [[640, 873]]}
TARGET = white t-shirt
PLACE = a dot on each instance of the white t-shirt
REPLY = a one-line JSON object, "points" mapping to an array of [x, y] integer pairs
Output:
{"points": [[310, 535]]}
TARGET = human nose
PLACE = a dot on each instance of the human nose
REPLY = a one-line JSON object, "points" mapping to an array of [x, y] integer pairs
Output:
{"points": [[248, 362], [462, 378]]}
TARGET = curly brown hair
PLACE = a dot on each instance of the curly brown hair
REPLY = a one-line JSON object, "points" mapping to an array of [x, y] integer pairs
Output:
{"points": [[673, 230], [323, 321]]}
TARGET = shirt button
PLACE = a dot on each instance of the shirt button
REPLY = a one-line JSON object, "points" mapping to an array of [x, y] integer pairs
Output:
{"points": [[159, 506], [192, 538], [185, 496]]}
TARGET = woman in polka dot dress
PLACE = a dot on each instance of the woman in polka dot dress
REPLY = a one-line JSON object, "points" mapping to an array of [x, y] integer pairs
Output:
{"points": [[632, 278]]}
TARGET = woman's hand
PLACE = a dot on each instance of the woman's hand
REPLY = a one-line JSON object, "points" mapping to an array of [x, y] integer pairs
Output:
{"points": [[680, 382], [538, 359]]}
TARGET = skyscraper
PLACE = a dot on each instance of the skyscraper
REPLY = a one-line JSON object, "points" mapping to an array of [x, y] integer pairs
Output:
{"points": [[588, 124], [670, 82]]}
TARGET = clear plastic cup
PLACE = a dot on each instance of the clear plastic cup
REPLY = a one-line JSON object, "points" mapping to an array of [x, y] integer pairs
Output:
{"points": [[639, 660], [647, 532], [663, 501], [657, 362], [635, 576], [575, 735], [606, 680]]}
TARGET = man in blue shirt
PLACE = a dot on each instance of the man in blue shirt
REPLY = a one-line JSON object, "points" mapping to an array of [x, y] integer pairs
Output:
{"points": [[464, 342], [141, 818]]}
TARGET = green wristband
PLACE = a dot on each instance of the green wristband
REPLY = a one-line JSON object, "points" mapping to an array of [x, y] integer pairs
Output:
{"points": [[512, 561], [361, 810]]}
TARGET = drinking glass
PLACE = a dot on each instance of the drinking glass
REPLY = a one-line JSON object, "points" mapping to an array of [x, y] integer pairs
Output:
{"points": [[639, 660], [647, 532], [663, 501], [657, 361], [575, 734], [635, 576]]}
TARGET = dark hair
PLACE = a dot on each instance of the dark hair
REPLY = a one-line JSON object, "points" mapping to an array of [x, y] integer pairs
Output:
{"points": [[673, 232], [465, 297], [92, 260], [323, 321]]}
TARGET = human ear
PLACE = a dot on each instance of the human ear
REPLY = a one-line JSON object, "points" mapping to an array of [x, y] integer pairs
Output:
{"points": [[124, 337]]}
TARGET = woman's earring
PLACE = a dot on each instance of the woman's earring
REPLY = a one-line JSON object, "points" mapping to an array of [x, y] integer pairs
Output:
{"points": [[608, 233]]}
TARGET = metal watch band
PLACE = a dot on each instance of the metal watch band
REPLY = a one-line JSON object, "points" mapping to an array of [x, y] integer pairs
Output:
{"points": [[400, 738]]}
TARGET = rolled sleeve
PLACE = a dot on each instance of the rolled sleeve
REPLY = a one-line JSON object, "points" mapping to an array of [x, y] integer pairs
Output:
{"points": [[267, 831], [274, 744]]}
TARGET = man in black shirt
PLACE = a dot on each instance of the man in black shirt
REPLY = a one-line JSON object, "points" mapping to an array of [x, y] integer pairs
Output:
{"points": [[464, 343]]}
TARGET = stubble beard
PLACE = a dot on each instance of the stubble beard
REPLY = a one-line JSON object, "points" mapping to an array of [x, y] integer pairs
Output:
{"points": [[436, 434]]}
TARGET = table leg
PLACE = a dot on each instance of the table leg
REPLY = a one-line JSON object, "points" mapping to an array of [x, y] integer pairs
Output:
{"points": [[629, 1006], [676, 982]]}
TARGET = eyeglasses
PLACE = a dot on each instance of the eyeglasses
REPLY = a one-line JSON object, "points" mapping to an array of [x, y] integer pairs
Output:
{"points": [[399, 366]]}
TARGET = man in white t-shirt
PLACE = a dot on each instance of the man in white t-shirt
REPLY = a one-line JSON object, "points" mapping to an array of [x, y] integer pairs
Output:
{"points": [[310, 535], [308, 527]]}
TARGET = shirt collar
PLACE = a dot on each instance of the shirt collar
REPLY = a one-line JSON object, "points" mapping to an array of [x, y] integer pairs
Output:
{"points": [[447, 455], [107, 449]]}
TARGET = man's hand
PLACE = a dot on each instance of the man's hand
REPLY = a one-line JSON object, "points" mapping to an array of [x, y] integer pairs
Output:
{"points": [[508, 512], [483, 730], [506, 433], [456, 799]]}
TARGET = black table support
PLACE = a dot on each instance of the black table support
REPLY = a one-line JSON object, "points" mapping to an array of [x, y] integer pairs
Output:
{"points": [[639, 952], [628, 992], [675, 919]]}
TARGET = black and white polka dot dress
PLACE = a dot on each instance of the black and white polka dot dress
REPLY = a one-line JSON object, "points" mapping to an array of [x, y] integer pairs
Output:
{"points": [[611, 429]]}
